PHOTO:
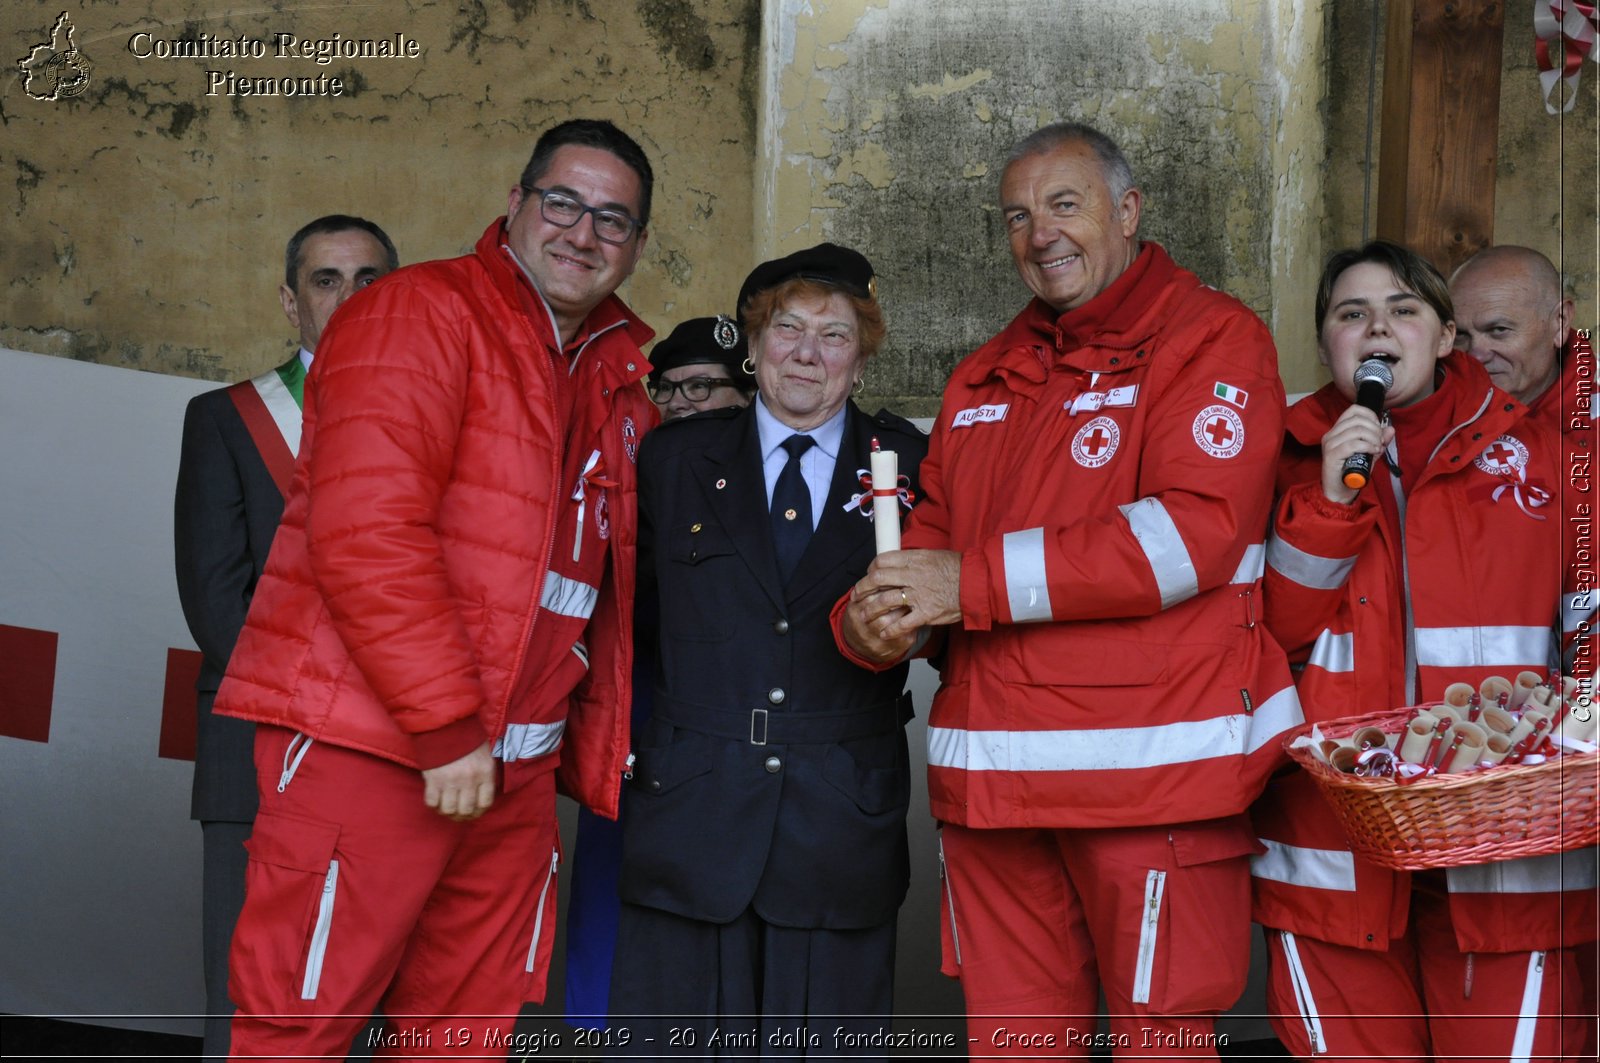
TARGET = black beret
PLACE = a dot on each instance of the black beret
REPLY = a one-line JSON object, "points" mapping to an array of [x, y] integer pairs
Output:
{"points": [[702, 339], [830, 264]]}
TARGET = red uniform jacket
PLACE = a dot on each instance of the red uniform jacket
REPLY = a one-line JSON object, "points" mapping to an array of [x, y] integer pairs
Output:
{"points": [[398, 606], [1472, 587]]}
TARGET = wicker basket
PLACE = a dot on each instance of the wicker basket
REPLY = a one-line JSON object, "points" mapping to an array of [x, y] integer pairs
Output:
{"points": [[1467, 818]]}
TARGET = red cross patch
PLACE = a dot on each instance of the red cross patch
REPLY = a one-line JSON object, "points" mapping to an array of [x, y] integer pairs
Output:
{"points": [[630, 439], [1503, 457], [1096, 442], [1219, 431]]}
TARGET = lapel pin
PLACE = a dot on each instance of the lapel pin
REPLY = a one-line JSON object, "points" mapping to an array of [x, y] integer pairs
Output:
{"points": [[789, 514]]}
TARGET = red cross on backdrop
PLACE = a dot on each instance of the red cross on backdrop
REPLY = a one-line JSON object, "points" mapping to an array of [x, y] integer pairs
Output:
{"points": [[1095, 442], [1500, 454], [1220, 431]]}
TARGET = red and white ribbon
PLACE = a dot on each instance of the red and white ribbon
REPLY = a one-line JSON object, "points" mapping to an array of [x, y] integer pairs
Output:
{"points": [[1526, 494], [1564, 36], [862, 500]]}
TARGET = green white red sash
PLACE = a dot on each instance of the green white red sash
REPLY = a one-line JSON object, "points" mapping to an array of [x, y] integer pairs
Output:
{"points": [[270, 408]]}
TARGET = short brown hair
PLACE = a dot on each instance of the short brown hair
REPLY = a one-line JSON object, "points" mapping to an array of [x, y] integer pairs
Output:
{"points": [[760, 307], [1413, 272]]}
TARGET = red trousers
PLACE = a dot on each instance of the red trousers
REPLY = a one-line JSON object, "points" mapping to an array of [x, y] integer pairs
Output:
{"points": [[358, 895], [1039, 922], [1423, 999]]}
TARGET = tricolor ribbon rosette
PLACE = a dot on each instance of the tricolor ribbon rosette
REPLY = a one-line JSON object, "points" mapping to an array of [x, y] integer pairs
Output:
{"points": [[862, 500], [1564, 36]]}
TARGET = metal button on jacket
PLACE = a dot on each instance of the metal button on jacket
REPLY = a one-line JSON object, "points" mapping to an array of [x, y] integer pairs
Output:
{"points": [[781, 627], [775, 695], [773, 765]]}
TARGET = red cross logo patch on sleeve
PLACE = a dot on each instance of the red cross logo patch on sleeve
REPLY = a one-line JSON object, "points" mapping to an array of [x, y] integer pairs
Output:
{"points": [[1503, 457], [1096, 442], [1219, 431]]}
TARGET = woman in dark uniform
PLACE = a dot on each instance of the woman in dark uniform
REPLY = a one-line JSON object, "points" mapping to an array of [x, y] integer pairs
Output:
{"points": [[764, 852]]}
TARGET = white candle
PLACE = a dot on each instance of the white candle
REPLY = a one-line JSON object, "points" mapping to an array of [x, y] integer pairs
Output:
{"points": [[885, 498]]}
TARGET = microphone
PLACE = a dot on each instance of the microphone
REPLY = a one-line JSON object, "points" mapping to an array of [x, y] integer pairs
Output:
{"points": [[1373, 381]]}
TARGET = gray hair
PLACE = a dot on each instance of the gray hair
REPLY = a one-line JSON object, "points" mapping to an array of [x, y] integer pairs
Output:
{"points": [[1113, 164]]}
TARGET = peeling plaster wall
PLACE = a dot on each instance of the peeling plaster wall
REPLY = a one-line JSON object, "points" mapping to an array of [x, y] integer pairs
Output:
{"points": [[145, 220], [884, 122]]}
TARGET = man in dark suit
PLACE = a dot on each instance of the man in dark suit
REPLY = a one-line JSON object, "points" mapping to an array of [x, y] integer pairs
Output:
{"points": [[764, 852], [239, 446]]}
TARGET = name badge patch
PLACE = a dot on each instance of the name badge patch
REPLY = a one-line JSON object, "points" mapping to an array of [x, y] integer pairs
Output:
{"points": [[1090, 401], [980, 415]]}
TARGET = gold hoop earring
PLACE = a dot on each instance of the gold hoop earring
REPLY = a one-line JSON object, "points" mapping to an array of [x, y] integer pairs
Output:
{"points": [[858, 384], [749, 366]]}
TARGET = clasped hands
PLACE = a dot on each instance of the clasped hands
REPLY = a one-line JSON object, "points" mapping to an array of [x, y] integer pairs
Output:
{"points": [[902, 592]]}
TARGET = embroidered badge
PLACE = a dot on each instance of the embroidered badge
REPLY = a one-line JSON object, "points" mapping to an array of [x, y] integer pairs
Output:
{"points": [[1229, 393], [1219, 431], [1503, 457], [725, 333], [1096, 442], [980, 415], [602, 516], [630, 439]]}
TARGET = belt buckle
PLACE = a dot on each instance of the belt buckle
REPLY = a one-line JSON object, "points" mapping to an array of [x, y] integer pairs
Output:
{"points": [[758, 726]]}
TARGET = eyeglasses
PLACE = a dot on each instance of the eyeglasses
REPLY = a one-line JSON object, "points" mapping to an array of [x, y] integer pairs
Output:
{"points": [[558, 208], [695, 389]]}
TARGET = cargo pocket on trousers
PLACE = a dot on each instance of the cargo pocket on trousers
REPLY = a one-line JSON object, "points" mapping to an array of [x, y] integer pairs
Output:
{"points": [[291, 892], [1194, 945]]}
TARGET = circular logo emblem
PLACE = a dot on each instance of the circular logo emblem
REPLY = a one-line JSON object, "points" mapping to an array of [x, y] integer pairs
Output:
{"points": [[1219, 431], [69, 73], [602, 516], [630, 439], [1503, 457], [725, 333], [1096, 442]]}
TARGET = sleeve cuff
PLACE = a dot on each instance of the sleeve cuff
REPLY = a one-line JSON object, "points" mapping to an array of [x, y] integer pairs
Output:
{"points": [[449, 743], [836, 621], [976, 615]]}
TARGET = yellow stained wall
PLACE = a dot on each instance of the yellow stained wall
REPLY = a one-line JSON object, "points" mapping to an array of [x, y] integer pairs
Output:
{"points": [[146, 219]]}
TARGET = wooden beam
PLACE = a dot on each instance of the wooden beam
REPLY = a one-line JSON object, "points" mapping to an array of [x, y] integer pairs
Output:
{"points": [[1440, 127]]}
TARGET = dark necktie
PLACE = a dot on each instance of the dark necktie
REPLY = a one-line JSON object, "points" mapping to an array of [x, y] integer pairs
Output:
{"points": [[791, 508]]}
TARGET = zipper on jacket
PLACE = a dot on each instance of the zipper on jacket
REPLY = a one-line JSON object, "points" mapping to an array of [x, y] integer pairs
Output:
{"points": [[538, 915], [627, 766], [950, 904], [1155, 884], [293, 754], [319, 934], [1302, 993], [1528, 1016]]}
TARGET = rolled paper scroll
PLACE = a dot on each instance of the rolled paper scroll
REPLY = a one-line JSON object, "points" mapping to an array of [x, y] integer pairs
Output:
{"points": [[885, 498], [1457, 696], [1345, 759], [1492, 687], [1468, 747], [1418, 735], [1369, 738], [1532, 720], [1495, 748], [1496, 720], [1524, 687]]}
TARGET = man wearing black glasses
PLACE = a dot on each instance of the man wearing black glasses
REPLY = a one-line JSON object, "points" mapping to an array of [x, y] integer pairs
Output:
{"points": [[445, 615]]}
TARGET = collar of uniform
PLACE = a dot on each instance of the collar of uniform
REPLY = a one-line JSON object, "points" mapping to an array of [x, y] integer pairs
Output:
{"points": [[1108, 317], [773, 432]]}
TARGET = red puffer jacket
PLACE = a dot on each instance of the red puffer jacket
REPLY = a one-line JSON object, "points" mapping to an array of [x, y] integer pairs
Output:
{"points": [[1472, 585], [397, 606], [1109, 494]]}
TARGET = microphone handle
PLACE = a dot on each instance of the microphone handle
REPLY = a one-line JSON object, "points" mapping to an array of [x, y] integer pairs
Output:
{"points": [[1357, 470]]}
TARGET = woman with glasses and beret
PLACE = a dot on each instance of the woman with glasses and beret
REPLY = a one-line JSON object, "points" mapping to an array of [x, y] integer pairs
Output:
{"points": [[764, 848]]}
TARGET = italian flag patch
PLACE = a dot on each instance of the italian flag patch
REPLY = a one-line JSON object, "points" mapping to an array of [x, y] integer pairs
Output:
{"points": [[1229, 393]]}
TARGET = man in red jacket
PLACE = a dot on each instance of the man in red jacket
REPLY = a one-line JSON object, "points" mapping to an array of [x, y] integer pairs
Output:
{"points": [[1089, 562], [444, 616]]}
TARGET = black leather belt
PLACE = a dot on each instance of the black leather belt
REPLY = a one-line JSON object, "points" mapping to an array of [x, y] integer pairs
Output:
{"points": [[782, 727]]}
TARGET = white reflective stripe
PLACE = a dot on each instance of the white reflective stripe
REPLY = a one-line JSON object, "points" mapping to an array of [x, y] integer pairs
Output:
{"points": [[1323, 869], [569, 597], [538, 915], [1027, 590], [1308, 570], [1252, 566], [1554, 873], [1334, 652], [1468, 647], [1274, 716], [950, 903], [319, 934], [1528, 1014], [1302, 993], [1576, 608], [1115, 748], [1155, 884], [1163, 547], [524, 741], [280, 403]]}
